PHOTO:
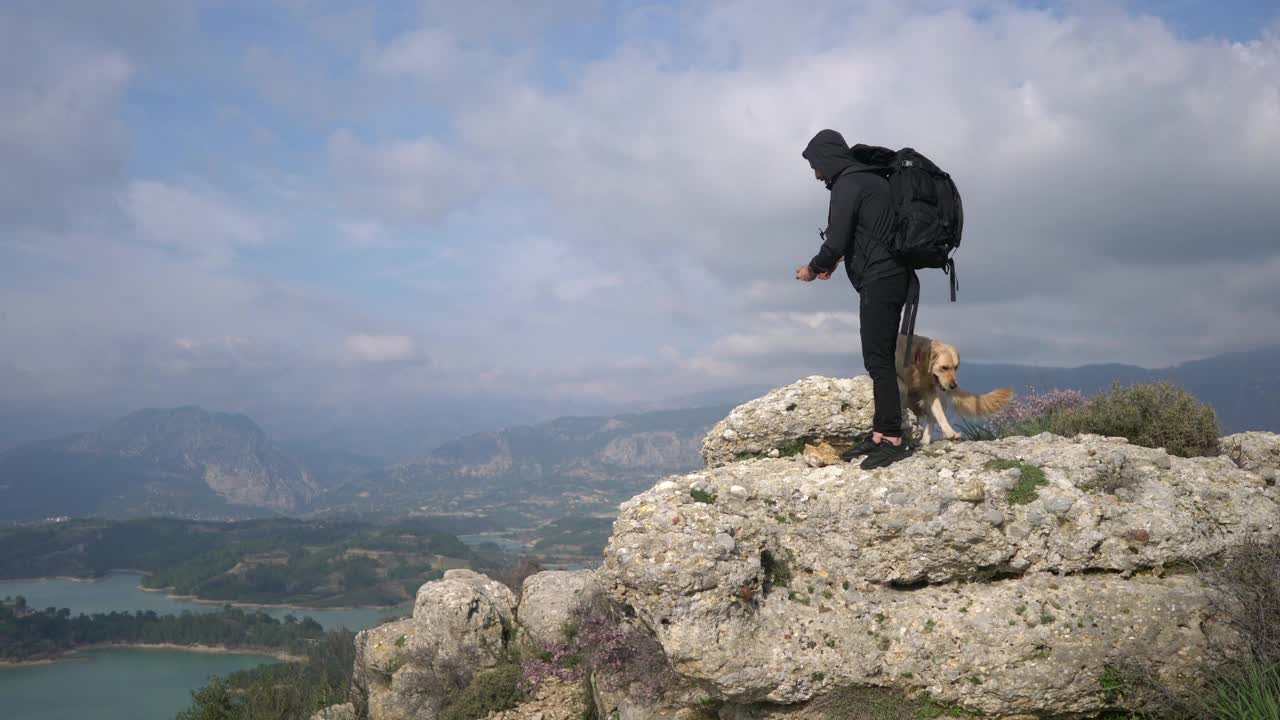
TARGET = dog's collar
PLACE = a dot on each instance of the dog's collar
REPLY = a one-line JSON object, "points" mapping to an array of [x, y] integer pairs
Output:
{"points": [[916, 360]]}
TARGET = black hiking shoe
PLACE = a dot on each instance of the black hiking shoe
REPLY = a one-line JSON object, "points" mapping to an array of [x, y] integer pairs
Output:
{"points": [[886, 453], [865, 446]]}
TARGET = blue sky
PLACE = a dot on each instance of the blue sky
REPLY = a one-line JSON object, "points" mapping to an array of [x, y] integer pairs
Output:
{"points": [[295, 205]]}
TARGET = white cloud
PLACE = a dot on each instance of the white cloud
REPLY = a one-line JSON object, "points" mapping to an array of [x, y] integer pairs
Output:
{"points": [[362, 232], [1084, 147], [379, 349], [417, 179], [61, 145], [196, 222]]}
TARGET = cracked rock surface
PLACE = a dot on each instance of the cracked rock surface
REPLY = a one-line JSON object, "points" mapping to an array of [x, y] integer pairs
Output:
{"points": [[1003, 576]]}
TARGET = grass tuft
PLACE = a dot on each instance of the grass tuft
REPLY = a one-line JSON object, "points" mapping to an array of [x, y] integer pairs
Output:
{"points": [[1032, 477]]}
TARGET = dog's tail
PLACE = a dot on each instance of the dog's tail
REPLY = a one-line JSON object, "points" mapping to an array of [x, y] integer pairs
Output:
{"points": [[966, 403]]}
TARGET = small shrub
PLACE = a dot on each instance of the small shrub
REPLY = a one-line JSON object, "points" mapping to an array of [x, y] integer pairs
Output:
{"points": [[702, 496], [1152, 415], [489, 691], [605, 646], [1245, 594], [626, 654], [563, 662]]}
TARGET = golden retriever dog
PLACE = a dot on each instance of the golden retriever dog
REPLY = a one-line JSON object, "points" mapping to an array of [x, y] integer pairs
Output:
{"points": [[929, 375]]}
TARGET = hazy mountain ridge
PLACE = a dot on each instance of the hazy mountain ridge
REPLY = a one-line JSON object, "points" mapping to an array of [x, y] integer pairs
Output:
{"points": [[573, 464], [183, 460], [190, 462]]}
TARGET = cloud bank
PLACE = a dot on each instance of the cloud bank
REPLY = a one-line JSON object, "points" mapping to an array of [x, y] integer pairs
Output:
{"points": [[314, 205]]}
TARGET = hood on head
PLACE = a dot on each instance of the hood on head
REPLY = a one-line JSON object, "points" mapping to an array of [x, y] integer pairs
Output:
{"points": [[829, 154]]}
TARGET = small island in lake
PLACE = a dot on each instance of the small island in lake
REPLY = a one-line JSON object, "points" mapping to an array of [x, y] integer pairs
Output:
{"points": [[30, 635], [308, 563]]}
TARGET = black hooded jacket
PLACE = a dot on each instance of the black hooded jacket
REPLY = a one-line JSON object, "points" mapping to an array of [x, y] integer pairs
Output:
{"points": [[861, 213]]}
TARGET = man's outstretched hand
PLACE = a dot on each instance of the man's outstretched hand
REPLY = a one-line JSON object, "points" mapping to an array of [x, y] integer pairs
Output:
{"points": [[804, 274]]}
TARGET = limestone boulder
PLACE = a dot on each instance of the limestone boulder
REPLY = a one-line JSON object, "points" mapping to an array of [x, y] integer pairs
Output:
{"points": [[547, 601], [812, 410], [462, 624]]}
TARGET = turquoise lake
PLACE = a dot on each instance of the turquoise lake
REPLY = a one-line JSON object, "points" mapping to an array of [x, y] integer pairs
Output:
{"points": [[113, 684], [130, 683]]}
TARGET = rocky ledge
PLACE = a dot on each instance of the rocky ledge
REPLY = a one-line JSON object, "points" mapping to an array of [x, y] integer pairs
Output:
{"points": [[1007, 578]]}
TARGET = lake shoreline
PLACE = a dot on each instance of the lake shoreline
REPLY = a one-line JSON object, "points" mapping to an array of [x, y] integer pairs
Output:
{"points": [[193, 598], [69, 655]]}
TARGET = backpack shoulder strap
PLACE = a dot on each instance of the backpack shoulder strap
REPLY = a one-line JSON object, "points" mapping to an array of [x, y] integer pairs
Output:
{"points": [[909, 311]]}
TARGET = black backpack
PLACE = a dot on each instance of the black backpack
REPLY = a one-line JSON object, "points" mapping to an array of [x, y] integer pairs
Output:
{"points": [[929, 216]]}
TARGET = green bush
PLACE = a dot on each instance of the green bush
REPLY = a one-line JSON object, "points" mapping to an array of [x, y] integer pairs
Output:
{"points": [[1153, 415], [489, 691]]}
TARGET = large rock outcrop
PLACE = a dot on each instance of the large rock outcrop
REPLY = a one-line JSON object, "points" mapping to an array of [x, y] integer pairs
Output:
{"points": [[1006, 577], [812, 410]]}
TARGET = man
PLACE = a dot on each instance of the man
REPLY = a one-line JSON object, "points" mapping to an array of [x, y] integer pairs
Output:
{"points": [[858, 224]]}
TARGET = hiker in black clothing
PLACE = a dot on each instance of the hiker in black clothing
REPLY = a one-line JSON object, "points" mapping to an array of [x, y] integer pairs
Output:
{"points": [[858, 220]]}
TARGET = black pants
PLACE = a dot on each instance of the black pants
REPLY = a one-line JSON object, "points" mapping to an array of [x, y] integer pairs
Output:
{"points": [[880, 315]]}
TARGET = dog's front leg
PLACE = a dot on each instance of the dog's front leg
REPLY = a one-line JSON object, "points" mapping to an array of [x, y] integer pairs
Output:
{"points": [[939, 414], [906, 401]]}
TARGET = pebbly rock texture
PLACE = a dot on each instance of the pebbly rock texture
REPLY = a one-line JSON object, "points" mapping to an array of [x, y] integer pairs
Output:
{"points": [[345, 711], [811, 410], [679, 701], [546, 601], [553, 700], [461, 624], [1005, 577], [380, 683], [1254, 451]]}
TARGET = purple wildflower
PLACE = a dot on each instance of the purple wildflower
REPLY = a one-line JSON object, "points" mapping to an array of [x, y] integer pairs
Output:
{"points": [[1033, 406]]}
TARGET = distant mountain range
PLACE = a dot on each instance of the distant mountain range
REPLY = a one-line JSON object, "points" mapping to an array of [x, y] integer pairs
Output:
{"points": [[180, 461], [567, 466], [191, 462]]}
